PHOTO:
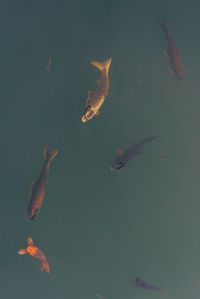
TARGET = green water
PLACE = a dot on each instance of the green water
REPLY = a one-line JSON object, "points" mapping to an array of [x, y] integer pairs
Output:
{"points": [[100, 229]]}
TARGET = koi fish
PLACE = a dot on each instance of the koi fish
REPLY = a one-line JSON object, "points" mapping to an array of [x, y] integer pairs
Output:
{"points": [[39, 187], [124, 156], [97, 97], [34, 251], [140, 283], [173, 54]]}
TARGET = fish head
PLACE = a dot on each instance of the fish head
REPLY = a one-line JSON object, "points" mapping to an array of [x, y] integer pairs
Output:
{"points": [[33, 213], [88, 114], [118, 164]]}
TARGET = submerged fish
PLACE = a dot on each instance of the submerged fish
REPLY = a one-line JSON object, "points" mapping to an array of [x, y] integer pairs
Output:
{"points": [[39, 187], [97, 97], [173, 54], [140, 283], [49, 64], [124, 156], [37, 253]]}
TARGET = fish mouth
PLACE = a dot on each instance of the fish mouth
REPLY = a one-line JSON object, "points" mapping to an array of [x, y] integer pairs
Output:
{"points": [[32, 214], [31, 217], [83, 119]]}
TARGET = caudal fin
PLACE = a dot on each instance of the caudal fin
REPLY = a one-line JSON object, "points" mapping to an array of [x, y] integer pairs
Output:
{"points": [[165, 25], [45, 266], [50, 154], [102, 66], [148, 139]]}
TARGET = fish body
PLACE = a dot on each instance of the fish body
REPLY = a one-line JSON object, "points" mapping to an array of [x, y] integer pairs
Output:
{"points": [[39, 187], [174, 54], [130, 153], [97, 97], [35, 252], [140, 283]]}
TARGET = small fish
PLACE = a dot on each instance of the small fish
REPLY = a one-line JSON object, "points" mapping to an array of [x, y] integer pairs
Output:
{"points": [[173, 54], [34, 251], [142, 81], [49, 64], [140, 283], [39, 187], [124, 156], [163, 156], [97, 97]]}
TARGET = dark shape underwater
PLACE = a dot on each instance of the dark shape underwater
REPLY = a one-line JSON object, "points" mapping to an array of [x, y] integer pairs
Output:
{"points": [[140, 283], [173, 54], [130, 153]]}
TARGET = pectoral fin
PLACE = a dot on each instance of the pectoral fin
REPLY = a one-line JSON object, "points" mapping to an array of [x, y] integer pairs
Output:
{"points": [[166, 55], [22, 251], [97, 113]]}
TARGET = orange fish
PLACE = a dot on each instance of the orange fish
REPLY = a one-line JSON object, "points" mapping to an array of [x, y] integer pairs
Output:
{"points": [[37, 253], [39, 187], [97, 97]]}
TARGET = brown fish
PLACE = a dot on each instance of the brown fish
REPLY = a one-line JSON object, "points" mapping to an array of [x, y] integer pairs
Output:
{"points": [[34, 251], [97, 97], [173, 54], [39, 187]]}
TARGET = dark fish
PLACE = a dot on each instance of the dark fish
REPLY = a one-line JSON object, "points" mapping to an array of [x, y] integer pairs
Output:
{"points": [[97, 97], [140, 283], [39, 187], [37, 253], [173, 54], [130, 153]]}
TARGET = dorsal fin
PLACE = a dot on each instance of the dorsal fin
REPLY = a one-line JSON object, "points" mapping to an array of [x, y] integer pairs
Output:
{"points": [[29, 241]]}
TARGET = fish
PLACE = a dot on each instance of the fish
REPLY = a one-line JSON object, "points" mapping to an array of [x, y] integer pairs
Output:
{"points": [[96, 98], [35, 252], [49, 64], [38, 189], [173, 54], [124, 156], [140, 283]]}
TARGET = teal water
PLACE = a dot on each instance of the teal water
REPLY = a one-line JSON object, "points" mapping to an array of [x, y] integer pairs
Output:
{"points": [[100, 229]]}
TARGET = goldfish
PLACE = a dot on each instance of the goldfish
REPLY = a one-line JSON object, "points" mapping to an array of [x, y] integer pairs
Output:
{"points": [[34, 251], [96, 98], [38, 189], [140, 283], [124, 156], [173, 54]]}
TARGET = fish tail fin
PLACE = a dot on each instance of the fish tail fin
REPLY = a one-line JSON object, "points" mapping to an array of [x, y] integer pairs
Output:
{"points": [[165, 25], [45, 266], [50, 154], [103, 66], [22, 251], [149, 139]]}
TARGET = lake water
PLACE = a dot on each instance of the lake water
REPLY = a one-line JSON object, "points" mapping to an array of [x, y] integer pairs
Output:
{"points": [[100, 229]]}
